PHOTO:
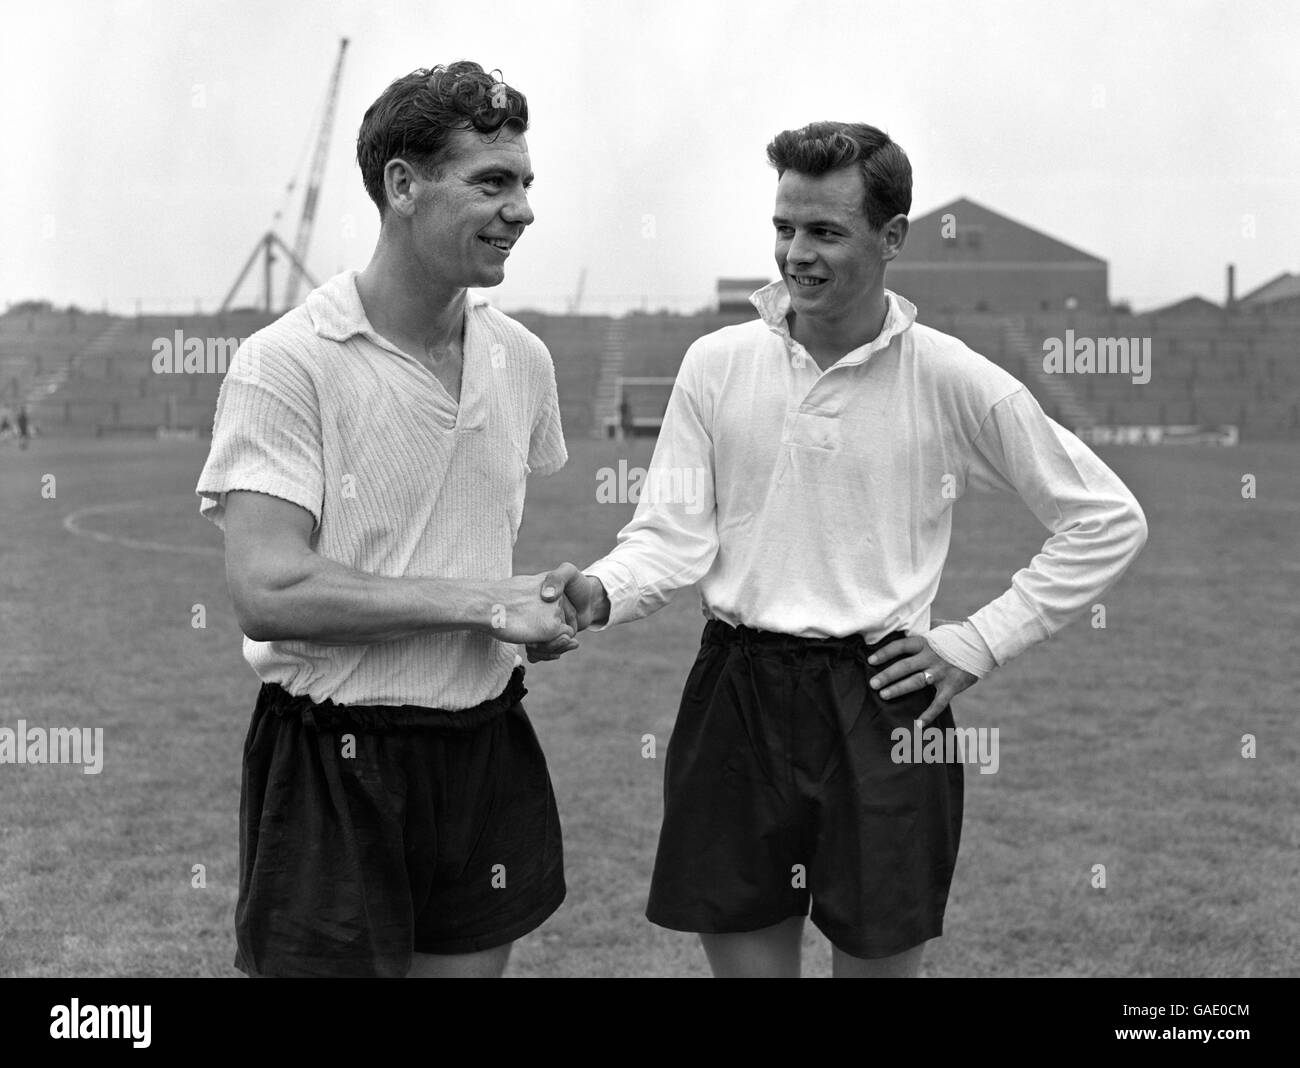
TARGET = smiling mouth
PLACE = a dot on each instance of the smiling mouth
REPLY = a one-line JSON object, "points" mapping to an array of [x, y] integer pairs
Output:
{"points": [[501, 244], [807, 281]]}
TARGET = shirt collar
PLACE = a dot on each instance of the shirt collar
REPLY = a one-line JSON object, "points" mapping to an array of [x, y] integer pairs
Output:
{"points": [[773, 304], [337, 313]]}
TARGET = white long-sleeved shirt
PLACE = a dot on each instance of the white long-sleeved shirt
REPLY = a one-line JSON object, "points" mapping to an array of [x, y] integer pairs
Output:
{"points": [[819, 503]]}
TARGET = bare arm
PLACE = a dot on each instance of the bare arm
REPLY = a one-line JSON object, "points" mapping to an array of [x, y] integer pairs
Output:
{"points": [[283, 590]]}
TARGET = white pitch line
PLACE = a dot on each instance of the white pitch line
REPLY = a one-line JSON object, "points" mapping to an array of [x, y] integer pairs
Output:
{"points": [[72, 524]]}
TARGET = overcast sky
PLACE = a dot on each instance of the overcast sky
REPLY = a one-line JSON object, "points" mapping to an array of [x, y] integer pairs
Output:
{"points": [[148, 144]]}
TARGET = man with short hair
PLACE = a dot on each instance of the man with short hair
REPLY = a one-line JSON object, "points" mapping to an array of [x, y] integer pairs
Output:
{"points": [[830, 439], [368, 468]]}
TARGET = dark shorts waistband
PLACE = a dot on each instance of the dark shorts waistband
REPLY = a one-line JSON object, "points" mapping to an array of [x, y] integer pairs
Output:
{"points": [[384, 719], [720, 633]]}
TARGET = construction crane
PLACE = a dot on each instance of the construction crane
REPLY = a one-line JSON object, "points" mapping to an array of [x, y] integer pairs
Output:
{"points": [[270, 241], [308, 220], [575, 302]]}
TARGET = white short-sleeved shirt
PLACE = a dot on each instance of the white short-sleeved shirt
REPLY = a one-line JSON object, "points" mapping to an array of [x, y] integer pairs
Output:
{"points": [[401, 480]]}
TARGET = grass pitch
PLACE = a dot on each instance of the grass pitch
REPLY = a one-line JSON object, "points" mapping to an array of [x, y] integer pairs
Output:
{"points": [[1120, 746]]}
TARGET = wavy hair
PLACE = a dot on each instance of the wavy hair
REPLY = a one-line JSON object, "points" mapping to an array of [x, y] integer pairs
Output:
{"points": [[826, 146], [414, 117]]}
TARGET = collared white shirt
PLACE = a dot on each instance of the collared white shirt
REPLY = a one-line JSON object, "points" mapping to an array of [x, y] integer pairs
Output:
{"points": [[400, 478], [819, 503]]}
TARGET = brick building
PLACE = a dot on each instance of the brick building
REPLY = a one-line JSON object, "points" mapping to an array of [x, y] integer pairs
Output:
{"points": [[963, 257]]}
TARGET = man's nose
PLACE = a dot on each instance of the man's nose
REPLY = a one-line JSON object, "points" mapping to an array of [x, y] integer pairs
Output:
{"points": [[800, 250], [517, 210]]}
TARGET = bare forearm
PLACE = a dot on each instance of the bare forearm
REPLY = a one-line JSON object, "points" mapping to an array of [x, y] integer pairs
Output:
{"points": [[318, 600]]}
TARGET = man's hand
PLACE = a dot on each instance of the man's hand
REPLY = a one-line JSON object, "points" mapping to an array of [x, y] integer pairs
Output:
{"points": [[520, 614], [585, 594], [910, 673]]}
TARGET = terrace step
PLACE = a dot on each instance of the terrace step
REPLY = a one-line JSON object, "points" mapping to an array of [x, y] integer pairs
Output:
{"points": [[605, 405], [1074, 413]]}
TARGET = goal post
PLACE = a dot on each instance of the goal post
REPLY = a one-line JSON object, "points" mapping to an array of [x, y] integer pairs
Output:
{"points": [[647, 396]]}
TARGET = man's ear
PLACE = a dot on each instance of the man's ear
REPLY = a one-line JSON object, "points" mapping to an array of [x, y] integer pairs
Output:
{"points": [[893, 236], [400, 180]]}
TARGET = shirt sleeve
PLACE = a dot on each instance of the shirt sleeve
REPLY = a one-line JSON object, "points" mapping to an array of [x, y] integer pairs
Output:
{"points": [[1097, 525], [546, 450], [960, 644], [267, 434], [673, 537]]}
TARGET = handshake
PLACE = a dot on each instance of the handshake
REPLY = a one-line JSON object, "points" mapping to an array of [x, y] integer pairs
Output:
{"points": [[545, 612]]}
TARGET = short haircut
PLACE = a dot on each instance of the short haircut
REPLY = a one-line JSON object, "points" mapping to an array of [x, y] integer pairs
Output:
{"points": [[826, 146], [414, 117]]}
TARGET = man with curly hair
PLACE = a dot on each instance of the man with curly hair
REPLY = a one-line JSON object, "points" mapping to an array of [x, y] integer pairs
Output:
{"points": [[368, 467]]}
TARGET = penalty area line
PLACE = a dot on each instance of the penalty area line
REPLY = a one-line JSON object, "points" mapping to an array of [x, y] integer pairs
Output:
{"points": [[72, 523]]}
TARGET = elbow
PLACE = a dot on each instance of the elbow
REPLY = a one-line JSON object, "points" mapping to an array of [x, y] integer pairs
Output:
{"points": [[257, 632], [1126, 532], [1140, 528], [254, 614], [260, 606]]}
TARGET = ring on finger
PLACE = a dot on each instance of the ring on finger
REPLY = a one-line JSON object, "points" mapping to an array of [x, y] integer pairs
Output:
{"points": [[929, 678]]}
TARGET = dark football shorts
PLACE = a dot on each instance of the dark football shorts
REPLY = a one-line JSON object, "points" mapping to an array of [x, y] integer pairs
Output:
{"points": [[368, 832], [779, 788]]}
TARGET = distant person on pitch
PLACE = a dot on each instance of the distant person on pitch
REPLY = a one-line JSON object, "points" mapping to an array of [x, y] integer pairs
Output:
{"points": [[825, 444], [627, 427], [368, 467]]}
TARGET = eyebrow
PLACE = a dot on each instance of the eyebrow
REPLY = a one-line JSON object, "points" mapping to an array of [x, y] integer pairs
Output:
{"points": [[499, 168], [778, 220]]}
